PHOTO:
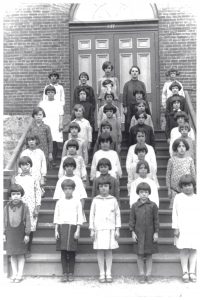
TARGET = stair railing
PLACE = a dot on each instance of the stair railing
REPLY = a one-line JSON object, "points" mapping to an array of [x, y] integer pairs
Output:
{"points": [[191, 111]]}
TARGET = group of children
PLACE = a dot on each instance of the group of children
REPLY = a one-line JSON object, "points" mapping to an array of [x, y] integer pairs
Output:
{"points": [[42, 142]]}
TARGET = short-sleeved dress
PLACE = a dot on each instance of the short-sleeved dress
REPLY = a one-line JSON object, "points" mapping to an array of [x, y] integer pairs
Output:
{"points": [[16, 225], [104, 219], [185, 216]]}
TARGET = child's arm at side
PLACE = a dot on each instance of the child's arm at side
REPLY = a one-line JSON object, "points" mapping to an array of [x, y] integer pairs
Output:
{"points": [[156, 222], [49, 142], [168, 176], [132, 221]]}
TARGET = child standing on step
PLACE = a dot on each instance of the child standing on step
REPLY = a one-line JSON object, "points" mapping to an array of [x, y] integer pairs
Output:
{"points": [[185, 216], [17, 227], [32, 193], [72, 148], [74, 130], [67, 220], [184, 130], [103, 166], [144, 225], [141, 106], [104, 226], [43, 131], [177, 166]]}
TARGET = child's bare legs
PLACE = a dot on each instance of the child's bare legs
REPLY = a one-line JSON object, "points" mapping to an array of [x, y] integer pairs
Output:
{"points": [[148, 264], [14, 266], [184, 256], [100, 259], [21, 262], [140, 263], [192, 260], [108, 255]]}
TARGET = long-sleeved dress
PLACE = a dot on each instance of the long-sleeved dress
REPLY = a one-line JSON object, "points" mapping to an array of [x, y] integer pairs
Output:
{"points": [[112, 155], [144, 222], [176, 167], [154, 197], [17, 224], [185, 216], [32, 195], [104, 219], [67, 214], [90, 95], [43, 131], [39, 168]]}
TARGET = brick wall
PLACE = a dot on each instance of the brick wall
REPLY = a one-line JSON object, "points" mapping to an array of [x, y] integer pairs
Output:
{"points": [[36, 40], [177, 45]]}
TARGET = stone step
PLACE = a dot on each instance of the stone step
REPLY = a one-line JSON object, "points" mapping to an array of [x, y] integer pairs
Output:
{"points": [[124, 264], [85, 245], [47, 230]]}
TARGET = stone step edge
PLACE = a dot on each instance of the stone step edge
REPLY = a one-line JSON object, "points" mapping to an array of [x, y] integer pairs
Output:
{"points": [[88, 240], [50, 199], [91, 258]]}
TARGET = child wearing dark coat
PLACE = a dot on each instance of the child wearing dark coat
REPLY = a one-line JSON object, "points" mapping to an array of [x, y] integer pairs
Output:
{"points": [[17, 228], [144, 225], [67, 220]]}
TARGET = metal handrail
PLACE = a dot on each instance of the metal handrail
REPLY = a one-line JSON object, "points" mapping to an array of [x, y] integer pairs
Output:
{"points": [[11, 164], [192, 114]]}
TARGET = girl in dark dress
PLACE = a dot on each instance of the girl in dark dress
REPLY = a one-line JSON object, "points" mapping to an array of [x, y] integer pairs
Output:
{"points": [[144, 225], [17, 227]]}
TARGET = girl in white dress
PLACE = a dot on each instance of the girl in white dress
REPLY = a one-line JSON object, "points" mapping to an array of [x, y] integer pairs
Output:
{"points": [[104, 227], [142, 169], [54, 117], [185, 216], [105, 141]]}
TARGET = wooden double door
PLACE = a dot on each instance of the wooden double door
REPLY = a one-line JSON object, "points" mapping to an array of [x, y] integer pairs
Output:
{"points": [[123, 49]]}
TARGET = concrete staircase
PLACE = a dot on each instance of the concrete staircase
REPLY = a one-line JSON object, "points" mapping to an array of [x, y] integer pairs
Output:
{"points": [[45, 261]]}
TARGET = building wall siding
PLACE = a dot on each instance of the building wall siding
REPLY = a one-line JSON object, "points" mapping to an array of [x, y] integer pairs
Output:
{"points": [[36, 40]]}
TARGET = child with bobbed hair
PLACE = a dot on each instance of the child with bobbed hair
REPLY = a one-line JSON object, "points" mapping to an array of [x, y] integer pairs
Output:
{"points": [[105, 127], [32, 193], [144, 226], [17, 228], [104, 225], [101, 116], [143, 170], [74, 129], [108, 83], [104, 166], [90, 96], [150, 138], [54, 78], [72, 147], [175, 88], [177, 166], [184, 130], [141, 106], [43, 131], [68, 219], [180, 117], [39, 167], [185, 215], [105, 141]]}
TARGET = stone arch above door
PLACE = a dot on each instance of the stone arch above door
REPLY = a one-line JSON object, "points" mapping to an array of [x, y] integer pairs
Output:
{"points": [[106, 11]]}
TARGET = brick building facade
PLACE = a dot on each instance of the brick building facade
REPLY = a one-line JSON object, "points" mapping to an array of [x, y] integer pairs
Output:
{"points": [[36, 40]]}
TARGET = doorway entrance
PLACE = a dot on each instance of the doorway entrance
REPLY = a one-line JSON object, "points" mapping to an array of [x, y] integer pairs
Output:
{"points": [[124, 44]]}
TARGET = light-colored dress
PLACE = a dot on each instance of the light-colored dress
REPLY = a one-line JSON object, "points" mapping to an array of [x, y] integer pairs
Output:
{"points": [[185, 216], [108, 89], [104, 219], [86, 130], [32, 195], [82, 150], [101, 116], [39, 168], [113, 157], [154, 190], [80, 167], [60, 94], [166, 92], [53, 110]]}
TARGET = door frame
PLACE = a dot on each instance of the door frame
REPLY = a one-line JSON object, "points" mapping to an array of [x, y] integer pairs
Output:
{"points": [[118, 27]]}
